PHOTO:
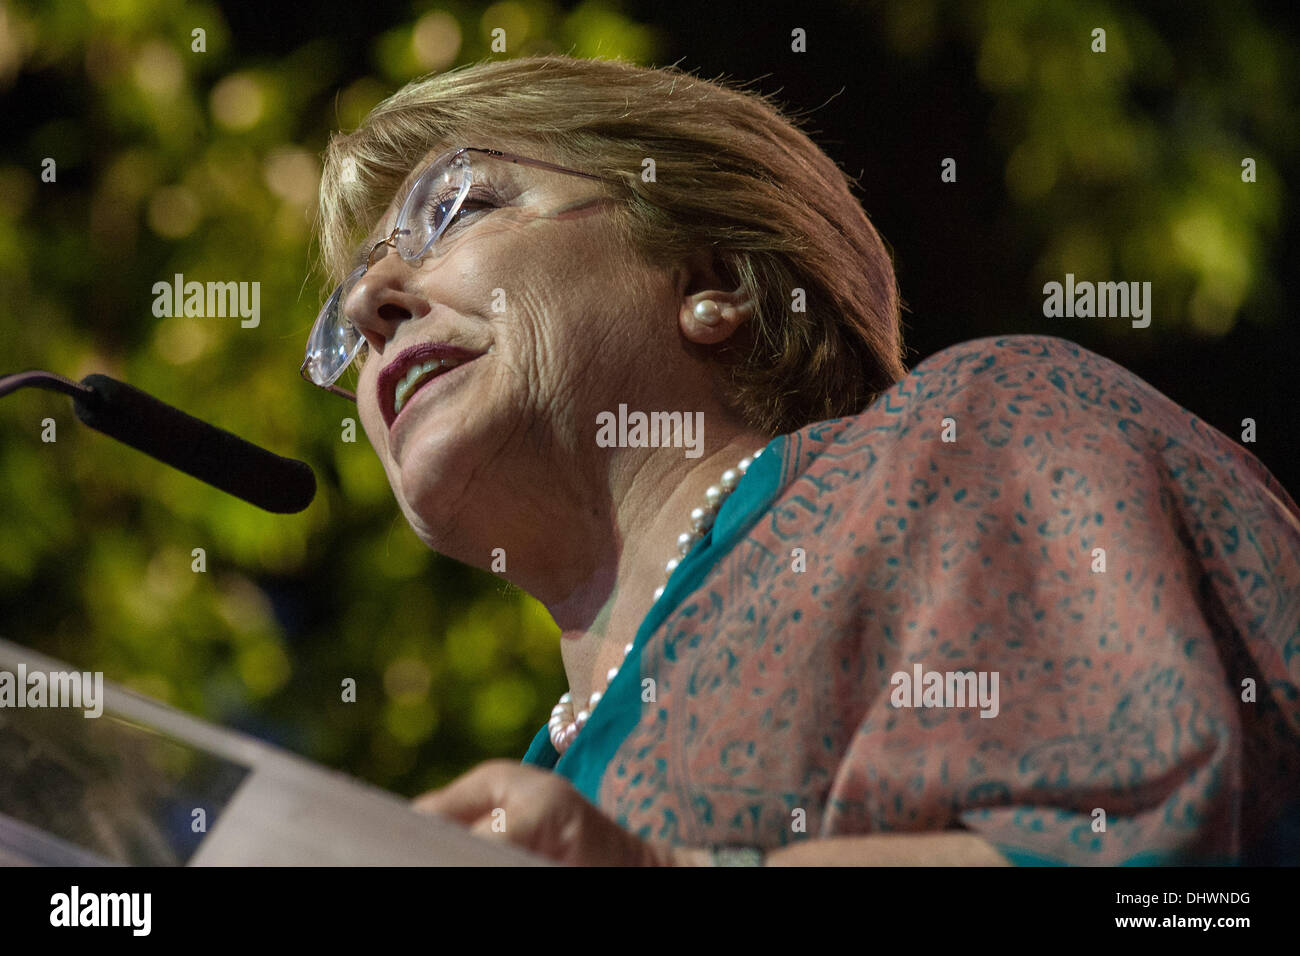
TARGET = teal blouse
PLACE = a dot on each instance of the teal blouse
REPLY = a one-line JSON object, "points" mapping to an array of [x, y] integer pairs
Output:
{"points": [[620, 706]]}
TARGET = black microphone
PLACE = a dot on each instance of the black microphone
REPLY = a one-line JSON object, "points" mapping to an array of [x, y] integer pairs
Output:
{"points": [[223, 460]]}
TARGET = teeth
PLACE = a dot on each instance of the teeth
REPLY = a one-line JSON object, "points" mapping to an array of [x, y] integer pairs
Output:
{"points": [[415, 375]]}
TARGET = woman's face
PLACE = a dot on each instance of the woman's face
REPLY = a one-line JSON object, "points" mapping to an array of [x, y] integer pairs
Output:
{"points": [[530, 291]]}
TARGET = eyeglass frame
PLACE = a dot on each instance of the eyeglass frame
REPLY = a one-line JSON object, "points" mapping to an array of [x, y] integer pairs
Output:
{"points": [[445, 159]]}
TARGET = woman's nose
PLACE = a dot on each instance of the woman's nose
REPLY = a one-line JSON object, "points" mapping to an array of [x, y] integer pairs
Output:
{"points": [[382, 299]]}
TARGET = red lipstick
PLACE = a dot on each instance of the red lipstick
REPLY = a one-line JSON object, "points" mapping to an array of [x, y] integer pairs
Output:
{"points": [[395, 370]]}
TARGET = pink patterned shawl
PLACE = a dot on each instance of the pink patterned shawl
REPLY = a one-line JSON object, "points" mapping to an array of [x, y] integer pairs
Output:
{"points": [[1146, 713]]}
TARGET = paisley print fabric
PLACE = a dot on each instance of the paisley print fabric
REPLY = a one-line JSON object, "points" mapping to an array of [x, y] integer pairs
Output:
{"points": [[1017, 511]]}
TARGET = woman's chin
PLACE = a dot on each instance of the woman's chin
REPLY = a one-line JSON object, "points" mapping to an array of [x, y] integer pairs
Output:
{"points": [[433, 530], [431, 492]]}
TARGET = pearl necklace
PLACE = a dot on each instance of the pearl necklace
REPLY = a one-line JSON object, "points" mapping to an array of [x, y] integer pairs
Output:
{"points": [[564, 725]]}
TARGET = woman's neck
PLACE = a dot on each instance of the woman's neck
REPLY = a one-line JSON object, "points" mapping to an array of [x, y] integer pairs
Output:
{"points": [[658, 491]]}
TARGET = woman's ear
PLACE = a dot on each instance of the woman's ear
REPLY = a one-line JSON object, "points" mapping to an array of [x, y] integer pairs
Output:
{"points": [[712, 306]]}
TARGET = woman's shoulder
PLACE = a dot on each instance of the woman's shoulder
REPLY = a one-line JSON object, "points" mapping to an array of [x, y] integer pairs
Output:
{"points": [[1017, 369], [954, 393], [1021, 413], [998, 399]]}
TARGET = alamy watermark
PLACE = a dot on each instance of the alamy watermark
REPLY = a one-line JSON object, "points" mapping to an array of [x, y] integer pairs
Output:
{"points": [[1086, 300], [923, 688], [209, 300], [82, 690], [74, 908], [652, 430]]}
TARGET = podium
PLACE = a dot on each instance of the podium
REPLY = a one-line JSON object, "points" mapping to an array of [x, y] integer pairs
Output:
{"points": [[145, 784]]}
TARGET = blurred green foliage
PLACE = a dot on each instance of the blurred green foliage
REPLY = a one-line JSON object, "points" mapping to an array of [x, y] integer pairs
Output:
{"points": [[206, 163], [1127, 164]]}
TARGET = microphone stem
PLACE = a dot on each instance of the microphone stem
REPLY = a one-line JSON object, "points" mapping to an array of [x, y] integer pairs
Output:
{"points": [[40, 379]]}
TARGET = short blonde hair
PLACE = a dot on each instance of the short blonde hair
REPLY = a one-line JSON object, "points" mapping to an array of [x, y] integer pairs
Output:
{"points": [[732, 172]]}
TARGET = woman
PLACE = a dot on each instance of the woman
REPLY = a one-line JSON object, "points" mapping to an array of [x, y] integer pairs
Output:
{"points": [[640, 344]]}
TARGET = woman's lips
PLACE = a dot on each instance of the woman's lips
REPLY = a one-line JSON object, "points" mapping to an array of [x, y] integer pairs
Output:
{"points": [[422, 396], [395, 371]]}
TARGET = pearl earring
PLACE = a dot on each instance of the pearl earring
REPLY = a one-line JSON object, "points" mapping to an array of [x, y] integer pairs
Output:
{"points": [[708, 312]]}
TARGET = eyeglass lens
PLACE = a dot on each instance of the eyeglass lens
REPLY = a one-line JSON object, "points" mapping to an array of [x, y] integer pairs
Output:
{"points": [[433, 201]]}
